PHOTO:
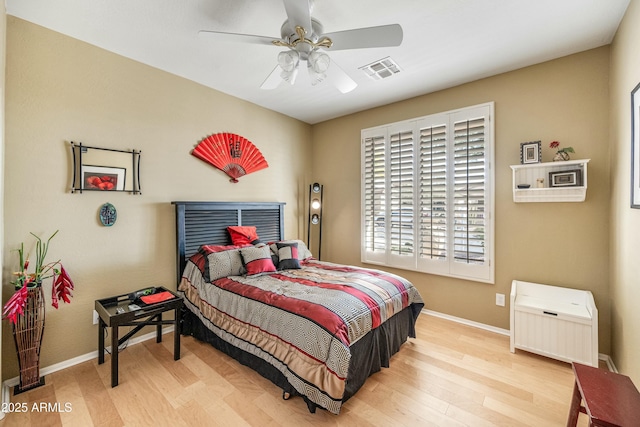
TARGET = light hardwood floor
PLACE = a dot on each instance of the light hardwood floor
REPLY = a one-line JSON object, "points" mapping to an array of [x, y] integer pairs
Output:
{"points": [[451, 375]]}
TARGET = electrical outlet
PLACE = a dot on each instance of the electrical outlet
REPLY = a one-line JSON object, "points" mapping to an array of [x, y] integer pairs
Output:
{"points": [[500, 300], [95, 317]]}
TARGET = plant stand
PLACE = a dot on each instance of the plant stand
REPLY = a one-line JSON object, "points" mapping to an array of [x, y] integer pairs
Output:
{"points": [[27, 333]]}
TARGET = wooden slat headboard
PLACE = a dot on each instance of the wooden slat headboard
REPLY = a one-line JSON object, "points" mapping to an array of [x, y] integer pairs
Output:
{"points": [[205, 223]]}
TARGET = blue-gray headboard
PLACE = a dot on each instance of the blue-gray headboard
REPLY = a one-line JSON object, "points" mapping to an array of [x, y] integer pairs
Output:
{"points": [[205, 223]]}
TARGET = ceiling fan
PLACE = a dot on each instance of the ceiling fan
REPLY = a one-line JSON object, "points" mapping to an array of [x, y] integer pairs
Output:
{"points": [[306, 42]]}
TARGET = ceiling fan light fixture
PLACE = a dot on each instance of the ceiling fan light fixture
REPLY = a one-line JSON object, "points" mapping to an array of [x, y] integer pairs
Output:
{"points": [[288, 60], [317, 66], [319, 61]]}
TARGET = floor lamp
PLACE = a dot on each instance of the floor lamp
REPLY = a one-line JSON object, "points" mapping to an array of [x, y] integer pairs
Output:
{"points": [[315, 214]]}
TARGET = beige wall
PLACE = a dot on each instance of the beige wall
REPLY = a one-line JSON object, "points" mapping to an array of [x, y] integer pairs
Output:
{"points": [[562, 244], [61, 90], [625, 222]]}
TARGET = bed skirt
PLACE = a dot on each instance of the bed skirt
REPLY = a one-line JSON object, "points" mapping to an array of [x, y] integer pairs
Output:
{"points": [[368, 355]]}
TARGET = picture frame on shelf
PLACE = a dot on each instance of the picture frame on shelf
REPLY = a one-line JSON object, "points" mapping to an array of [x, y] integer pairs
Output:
{"points": [[530, 152], [103, 178], [568, 178], [635, 147]]}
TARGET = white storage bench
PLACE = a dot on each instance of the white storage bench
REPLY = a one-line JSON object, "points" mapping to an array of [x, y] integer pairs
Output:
{"points": [[556, 322]]}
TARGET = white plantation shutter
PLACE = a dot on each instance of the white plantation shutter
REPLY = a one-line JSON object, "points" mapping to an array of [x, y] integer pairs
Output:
{"points": [[374, 203], [433, 192], [427, 194], [471, 195], [432, 198], [469, 191], [401, 194]]}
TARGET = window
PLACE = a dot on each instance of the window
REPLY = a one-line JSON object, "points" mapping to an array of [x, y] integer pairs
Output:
{"points": [[427, 194]]}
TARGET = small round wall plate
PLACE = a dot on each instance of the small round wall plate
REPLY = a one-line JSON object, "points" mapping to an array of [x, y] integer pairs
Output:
{"points": [[108, 214]]}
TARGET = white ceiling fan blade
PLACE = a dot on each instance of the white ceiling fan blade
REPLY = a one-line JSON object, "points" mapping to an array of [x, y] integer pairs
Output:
{"points": [[338, 78], [236, 38], [298, 13], [273, 80], [382, 36]]}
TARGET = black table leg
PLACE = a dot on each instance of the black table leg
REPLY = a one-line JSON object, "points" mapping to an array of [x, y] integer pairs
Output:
{"points": [[159, 328], [114, 356], [101, 327], [176, 335]]}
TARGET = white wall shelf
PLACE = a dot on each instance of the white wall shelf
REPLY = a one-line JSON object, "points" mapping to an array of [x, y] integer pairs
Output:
{"points": [[528, 174]]}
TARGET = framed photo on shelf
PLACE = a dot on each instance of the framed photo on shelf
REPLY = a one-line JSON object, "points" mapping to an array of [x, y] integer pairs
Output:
{"points": [[530, 152], [570, 178], [103, 178], [635, 148]]}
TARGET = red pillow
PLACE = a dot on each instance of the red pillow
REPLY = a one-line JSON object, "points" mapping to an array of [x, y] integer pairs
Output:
{"points": [[243, 234], [257, 259]]}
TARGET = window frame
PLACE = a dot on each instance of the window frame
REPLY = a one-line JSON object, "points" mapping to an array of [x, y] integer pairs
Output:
{"points": [[381, 251]]}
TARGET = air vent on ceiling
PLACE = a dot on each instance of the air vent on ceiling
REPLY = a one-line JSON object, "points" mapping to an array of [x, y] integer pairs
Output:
{"points": [[381, 69]]}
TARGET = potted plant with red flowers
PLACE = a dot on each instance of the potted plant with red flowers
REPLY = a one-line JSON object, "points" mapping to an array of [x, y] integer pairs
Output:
{"points": [[562, 153], [26, 308]]}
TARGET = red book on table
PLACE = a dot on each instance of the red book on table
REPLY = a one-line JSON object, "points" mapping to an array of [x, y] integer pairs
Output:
{"points": [[156, 298]]}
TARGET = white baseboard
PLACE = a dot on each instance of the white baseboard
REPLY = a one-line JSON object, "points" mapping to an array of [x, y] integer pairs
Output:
{"points": [[609, 361], [604, 357], [11, 382], [467, 322]]}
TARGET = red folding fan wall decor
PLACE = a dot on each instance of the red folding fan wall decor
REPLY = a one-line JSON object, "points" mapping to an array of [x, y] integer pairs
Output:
{"points": [[233, 154]]}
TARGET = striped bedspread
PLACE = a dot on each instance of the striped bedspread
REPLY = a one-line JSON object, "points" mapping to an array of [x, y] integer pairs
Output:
{"points": [[301, 321]]}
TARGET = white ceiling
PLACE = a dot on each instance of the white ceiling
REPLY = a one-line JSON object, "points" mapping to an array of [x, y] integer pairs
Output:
{"points": [[446, 42]]}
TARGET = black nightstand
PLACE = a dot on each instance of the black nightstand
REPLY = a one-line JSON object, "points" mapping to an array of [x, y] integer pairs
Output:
{"points": [[114, 312]]}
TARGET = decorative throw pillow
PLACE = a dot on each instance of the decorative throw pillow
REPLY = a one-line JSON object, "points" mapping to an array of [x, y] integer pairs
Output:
{"points": [[274, 257], [243, 235], [288, 256], [257, 259], [222, 264], [303, 251], [208, 249]]}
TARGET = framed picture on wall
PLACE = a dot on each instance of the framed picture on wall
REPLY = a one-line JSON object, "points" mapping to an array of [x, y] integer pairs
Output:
{"points": [[635, 148], [102, 178], [530, 152]]}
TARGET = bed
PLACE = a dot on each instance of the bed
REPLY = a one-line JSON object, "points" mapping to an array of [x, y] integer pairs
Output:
{"points": [[315, 329]]}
